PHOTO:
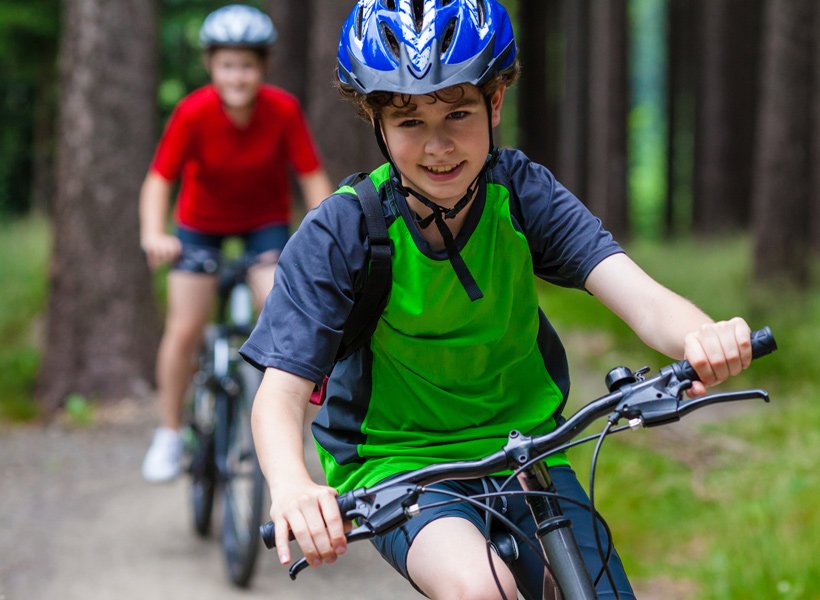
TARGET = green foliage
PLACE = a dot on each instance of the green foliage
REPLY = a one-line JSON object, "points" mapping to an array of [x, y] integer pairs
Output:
{"points": [[28, 45], [79, 410], [647, 128], [24, 246], [727, 506]]}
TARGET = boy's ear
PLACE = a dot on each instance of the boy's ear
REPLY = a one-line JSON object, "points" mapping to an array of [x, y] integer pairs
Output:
{"points": [[496, 102]]}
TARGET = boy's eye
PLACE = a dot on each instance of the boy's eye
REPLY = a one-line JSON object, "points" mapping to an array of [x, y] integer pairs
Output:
{"points": [[458, 115], [409, 123]]}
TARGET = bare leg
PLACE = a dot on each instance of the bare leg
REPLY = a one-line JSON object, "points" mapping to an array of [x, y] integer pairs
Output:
{"points": [[190, 300], [448, 560], [260, 279]]}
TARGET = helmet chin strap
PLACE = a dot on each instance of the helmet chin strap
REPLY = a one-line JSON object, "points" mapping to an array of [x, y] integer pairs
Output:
{"points": [[440, 213]]}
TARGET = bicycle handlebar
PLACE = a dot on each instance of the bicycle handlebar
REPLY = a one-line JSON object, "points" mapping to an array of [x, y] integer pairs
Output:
{"points": [[645, 402]]}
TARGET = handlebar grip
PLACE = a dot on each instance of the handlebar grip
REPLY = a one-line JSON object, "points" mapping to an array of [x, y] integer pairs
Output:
{"points": [[346, 503], [763, 343]]}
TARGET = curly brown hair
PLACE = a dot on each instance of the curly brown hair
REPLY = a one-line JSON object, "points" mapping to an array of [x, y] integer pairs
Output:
{"points": [[372, 104]]}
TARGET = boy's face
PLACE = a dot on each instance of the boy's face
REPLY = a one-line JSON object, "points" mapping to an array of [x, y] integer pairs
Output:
{"points": [[441, 145], [237, 74]]}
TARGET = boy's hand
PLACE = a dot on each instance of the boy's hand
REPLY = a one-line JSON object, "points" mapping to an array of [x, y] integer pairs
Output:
{"points": [[310, 511], [718, 351], [160, 248]]}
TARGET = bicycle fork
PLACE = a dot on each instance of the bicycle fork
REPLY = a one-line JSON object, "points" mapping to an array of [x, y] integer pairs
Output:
{"points": [[571, 580]]}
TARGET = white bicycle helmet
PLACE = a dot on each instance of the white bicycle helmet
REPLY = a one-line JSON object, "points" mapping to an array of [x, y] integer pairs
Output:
{"points": [[237, 25]]}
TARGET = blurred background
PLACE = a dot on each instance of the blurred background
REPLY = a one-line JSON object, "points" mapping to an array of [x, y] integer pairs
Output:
{"points": [[691, 127]]}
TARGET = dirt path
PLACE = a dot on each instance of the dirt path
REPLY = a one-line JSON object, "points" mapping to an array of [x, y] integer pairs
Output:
{"points": [[77, 522]]}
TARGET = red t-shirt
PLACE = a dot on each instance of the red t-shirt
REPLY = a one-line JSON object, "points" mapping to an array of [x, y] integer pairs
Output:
{"points": [[234, 179]]}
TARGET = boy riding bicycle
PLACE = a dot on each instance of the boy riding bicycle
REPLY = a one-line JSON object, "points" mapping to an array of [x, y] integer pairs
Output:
{"points": [[462, 354], [231, 143]]}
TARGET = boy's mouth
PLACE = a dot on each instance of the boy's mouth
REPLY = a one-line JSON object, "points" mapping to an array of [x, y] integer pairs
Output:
{"points": [[442, 169]]}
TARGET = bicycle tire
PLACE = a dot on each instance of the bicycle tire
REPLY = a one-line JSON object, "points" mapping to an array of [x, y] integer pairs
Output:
{"points": [[203, 467], [243, 486]]}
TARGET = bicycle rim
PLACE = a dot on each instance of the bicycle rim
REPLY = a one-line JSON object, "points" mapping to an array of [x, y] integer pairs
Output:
{"points": [[243, 490]]}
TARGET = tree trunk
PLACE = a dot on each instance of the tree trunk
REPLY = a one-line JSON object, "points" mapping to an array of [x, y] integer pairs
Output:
{"points": [[682, 46], [606, 191], [783, 158], [573, 133], [345, 141], [727, 97], [815, 132], [102, 326], [289, 59], [538, 105]]}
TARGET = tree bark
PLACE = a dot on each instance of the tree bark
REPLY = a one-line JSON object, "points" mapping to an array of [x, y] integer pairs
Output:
{"points": [[606, 191], [289, 59], [815, 132], [572, 126], [681, 85], [727, 97], [783, 157], [538, 101], [345, 141], [102, 326]]}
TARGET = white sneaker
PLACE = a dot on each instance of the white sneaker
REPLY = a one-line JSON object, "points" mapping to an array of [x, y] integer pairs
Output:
{"points": [[164, 457]]}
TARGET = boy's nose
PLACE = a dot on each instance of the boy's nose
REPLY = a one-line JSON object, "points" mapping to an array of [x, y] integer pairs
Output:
{"points": [[439, 143]]}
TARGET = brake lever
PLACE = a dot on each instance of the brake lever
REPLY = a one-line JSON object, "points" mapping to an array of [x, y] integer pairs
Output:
{"points": [[700, 402], [363, 532]]}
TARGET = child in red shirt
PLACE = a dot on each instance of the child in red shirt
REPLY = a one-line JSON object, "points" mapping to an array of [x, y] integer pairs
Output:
{"points": [[231, 144]]}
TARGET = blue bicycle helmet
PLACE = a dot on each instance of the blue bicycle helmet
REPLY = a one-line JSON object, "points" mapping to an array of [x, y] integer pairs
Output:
{"points": [[421, 46], [237, 25]]}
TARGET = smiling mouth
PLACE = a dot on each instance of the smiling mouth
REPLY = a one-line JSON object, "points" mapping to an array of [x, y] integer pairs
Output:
{"points": [[442, 169]]}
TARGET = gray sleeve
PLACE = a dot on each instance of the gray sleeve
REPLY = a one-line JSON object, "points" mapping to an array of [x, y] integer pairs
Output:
{"points": [[566, 240], [300, 327]]}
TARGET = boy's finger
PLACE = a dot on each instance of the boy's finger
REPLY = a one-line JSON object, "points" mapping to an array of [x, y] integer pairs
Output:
{"points": [[697, 357], [335, 526], [282, 532], [302, 533]]}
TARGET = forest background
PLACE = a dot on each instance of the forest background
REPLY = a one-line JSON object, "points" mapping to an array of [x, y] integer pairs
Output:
{"points": [[692, 127]]}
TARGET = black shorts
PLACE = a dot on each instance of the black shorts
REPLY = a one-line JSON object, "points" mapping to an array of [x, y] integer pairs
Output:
{"points": [[202, 252], [528, 567]]}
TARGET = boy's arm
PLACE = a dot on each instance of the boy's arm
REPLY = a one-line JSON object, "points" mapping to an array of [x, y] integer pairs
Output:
{"points": [[155, 196], [298, 504], [315, 187], [671, 324]]}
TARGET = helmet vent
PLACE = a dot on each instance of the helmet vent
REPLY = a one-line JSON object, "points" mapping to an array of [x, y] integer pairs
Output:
{"points": [[389, 39], [482, 13], [359, 22], [390, 4], [446, 3], [447, 38], [418, 14]]}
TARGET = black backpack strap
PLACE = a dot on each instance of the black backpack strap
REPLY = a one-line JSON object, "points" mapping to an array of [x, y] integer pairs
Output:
{"points": [[363, 318]]}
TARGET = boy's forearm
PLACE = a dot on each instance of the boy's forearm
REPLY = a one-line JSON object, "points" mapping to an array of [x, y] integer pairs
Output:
{"points": [[277, 422], [659, 316]]}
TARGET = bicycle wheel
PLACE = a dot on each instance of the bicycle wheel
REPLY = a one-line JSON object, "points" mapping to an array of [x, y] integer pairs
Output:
{"points": [[243, 486], [202, 467]]}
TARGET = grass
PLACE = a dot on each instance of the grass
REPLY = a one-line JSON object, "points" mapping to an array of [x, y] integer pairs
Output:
{"points": [[24, 248], [730, 508]]}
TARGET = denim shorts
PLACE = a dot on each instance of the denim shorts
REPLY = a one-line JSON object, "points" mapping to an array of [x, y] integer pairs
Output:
{"points": [[528, 567], [202, 252]]}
